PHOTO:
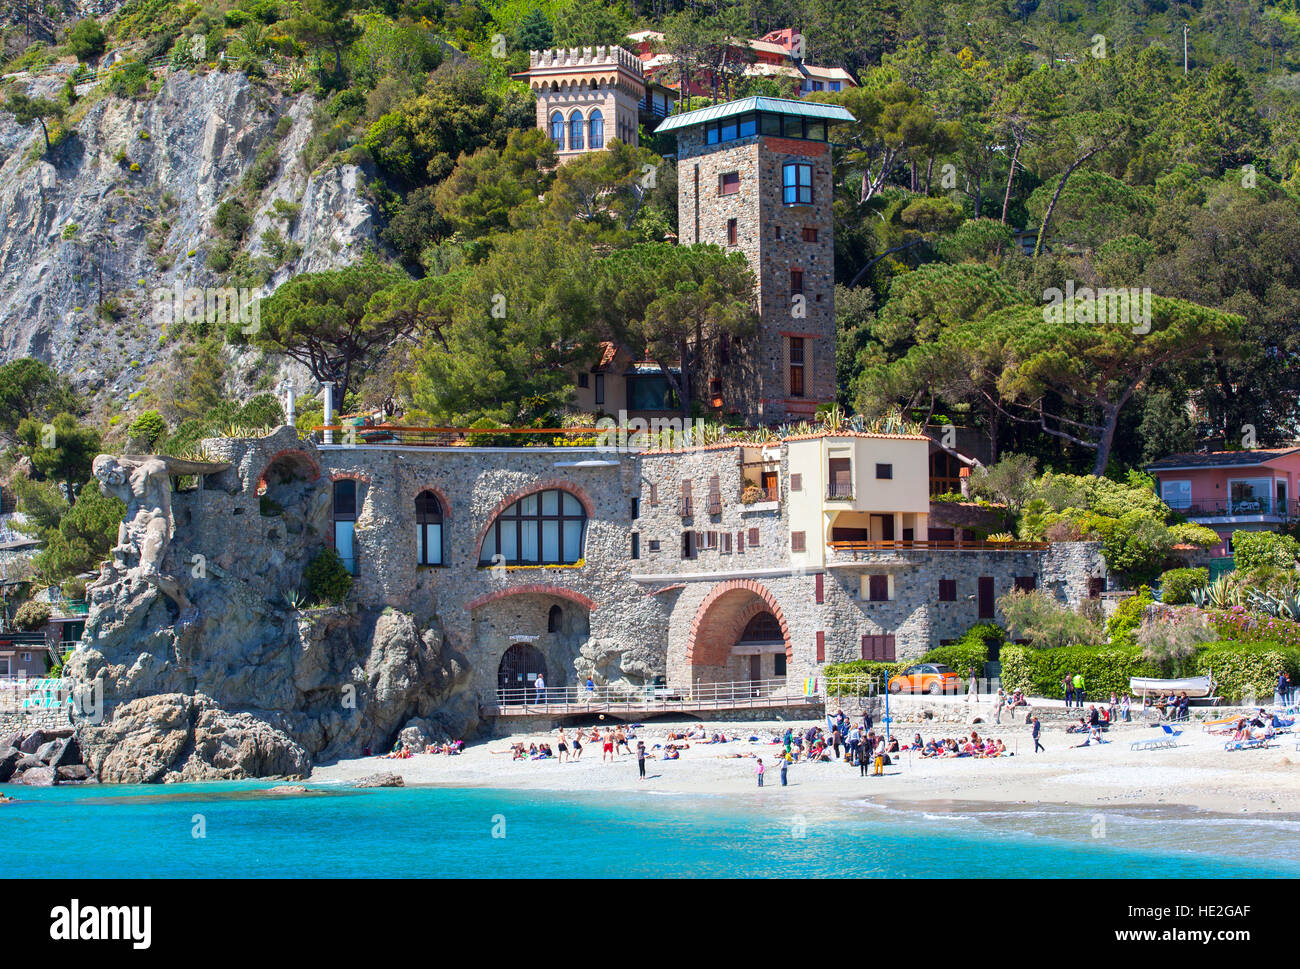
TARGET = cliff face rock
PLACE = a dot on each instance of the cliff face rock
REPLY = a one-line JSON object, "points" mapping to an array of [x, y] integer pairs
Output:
{"points": [[243, 684], [116, 210]]}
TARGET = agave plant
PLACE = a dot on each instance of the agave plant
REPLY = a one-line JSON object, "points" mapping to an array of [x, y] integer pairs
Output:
{"points": [[294, 599], [1223, 593], [1280, 607]]}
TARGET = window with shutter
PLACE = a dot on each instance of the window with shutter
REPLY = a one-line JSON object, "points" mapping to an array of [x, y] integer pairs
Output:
{"points": [[818, 590], [878, 588], [715, 496], [821, 646], [654, 495], [797, 541], [796, 482], [740, 543], [686, 499], [1026, 583], [753, 538], [726, 543], [947, 590]]}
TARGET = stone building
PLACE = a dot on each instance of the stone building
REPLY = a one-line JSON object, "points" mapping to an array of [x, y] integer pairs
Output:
{"points": [[754, 176], [730, 562], [586, 96]]}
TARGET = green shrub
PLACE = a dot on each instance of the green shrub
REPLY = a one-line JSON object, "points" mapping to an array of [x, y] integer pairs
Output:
{"points": [[32, 615], [73, 588], [1251, 550], [1246, 669], [149, 428], [1122, 626], [1176, 585], [327, 580], [1039, 671], [852, 678], [972, 650], [86, 39]]}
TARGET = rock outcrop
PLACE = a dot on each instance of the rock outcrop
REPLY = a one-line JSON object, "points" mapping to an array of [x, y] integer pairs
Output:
{"points": [[243, 684]]}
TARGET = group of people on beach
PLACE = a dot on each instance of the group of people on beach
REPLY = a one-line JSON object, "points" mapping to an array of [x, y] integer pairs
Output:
{"points": [[972, 746], [403, 752]]}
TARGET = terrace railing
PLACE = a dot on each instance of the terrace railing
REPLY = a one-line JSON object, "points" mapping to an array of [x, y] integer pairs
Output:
{"points": [[866, 549], [1233, 507], [839, 491], [649, 699], [352, 435]]}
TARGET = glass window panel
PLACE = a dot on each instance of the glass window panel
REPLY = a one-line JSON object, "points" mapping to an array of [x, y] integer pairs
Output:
{"points": [[572, 541], [711, 134], [489, 546], [510, 540], [770, 124], [343, 535], [550, 502], [419, 544], [748, 126], [550, 541], [528, 541], [817, 130], [526, 506], [793, 126], [571, 504], [433, 544], [728, 130]]}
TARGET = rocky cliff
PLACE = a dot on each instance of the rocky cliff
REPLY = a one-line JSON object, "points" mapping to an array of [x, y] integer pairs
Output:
{"points": [[124, 206], [242, 683]]}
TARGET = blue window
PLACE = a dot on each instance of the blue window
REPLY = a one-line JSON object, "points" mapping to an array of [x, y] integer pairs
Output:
{"points": [[597, 130], [575, 131], [557, 128], [345, 522], [428, 525], [796, 180]]}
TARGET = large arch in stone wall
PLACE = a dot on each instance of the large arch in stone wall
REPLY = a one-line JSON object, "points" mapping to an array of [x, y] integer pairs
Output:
{"points": [[548, 484], [523, 630], [721, 619]]}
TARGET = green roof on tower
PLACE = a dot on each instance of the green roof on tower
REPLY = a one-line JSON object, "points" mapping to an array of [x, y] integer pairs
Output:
{"points": [[717, 112]]}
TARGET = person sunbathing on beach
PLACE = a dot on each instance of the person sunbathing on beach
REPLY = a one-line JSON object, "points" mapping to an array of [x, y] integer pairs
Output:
{"points": [[672, 753]]}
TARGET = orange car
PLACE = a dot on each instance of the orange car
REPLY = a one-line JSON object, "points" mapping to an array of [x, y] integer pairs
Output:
{"points": [[933, 678]]}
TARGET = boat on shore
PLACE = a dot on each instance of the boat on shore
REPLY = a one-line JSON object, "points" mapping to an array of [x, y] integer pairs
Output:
{"points": [[1193, 686]]}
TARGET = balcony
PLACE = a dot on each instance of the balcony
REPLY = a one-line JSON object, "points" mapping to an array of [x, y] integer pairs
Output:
{"points": [[897, 549], [1253, 508], [839, 491]]}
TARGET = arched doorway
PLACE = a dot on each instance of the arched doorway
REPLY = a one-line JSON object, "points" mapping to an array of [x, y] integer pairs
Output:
{"points": [[761, 639], [739, 633], [518, 672]]}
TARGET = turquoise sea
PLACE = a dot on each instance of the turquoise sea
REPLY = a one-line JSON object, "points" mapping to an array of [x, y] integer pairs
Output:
{"points": [[136, 832]]}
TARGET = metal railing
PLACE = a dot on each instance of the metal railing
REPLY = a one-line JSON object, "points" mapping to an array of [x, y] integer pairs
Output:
{"points": [[840, 491], [355, 435], [709, 696], [923, 545], [1240, 506]]}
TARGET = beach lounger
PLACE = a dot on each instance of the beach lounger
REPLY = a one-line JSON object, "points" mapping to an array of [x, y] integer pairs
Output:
{"points": [[1260, 743], [1168, 738]]}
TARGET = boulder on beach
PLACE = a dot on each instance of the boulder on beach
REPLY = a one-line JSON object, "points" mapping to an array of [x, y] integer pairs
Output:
{"points": [[382, 779], [9, 759], [72, 772], [40, 777]]}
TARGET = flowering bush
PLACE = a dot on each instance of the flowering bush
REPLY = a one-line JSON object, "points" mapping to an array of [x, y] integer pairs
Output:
{"points": [[1241, 625]]}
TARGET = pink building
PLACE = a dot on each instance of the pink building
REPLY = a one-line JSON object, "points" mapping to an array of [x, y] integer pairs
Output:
{"points": [[1232, 491]]}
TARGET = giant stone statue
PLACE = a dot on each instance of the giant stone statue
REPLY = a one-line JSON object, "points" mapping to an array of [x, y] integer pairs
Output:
{"points": [[143, 482]]}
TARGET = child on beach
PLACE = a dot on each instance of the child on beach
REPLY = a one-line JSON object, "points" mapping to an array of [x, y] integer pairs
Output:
{"points": [[640, 757], [760, 772]]}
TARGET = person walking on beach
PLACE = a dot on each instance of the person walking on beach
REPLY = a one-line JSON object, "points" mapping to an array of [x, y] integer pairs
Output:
{"points": [[561, 749], [1038, 729], [836, 741], [1078, 690], [539, 685], [971, 688], [640, 757], [1067, 685], [997, 707], [577, 745], [1125, 706], [785, 764], [608, 750], [760, 772]]}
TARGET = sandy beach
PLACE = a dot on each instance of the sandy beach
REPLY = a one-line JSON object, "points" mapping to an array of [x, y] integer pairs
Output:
{"points": [[1197, 773]]}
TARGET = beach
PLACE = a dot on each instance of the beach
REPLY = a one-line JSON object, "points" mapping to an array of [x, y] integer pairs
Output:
{"points": [[1197, 773]]}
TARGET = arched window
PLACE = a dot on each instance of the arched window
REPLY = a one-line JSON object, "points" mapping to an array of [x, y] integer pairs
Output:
{"points": [[575, 131], [345, 522], [544, 528], [554, 619], [597, 129], [557, 128], [428, 529]]}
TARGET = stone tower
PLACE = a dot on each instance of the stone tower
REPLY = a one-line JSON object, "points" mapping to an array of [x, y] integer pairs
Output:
{"points": [[754, 176], [586, 96]]}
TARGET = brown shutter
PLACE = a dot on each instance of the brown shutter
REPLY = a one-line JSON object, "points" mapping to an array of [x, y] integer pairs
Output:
{"points": [[753, 537], [740, 542], [797, 540], [821, 646], [796, 482], [715, 496], [686, 500], [820, 594], [654, 494]]}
